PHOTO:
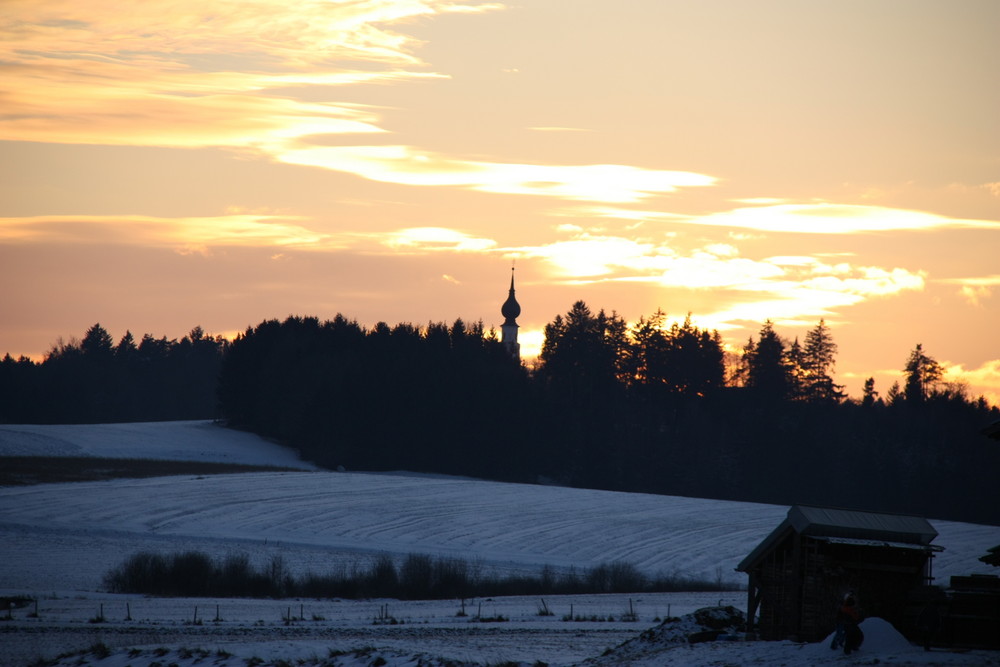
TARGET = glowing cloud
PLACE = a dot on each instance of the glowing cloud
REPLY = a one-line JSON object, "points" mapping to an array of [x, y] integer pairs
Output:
{"points": [[820, 218], [406, 165], [986, 377], [183, 234], [835, 219], [199, 234], [191, 73], [975, 290], [435, 239], [782, 287], [531, 341], [589, 256]]}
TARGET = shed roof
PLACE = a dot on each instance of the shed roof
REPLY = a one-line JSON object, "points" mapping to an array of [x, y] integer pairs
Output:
{"points": [[826, 522]]}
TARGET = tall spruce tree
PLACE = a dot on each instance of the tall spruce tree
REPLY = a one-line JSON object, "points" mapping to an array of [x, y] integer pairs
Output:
{"points": [[818, 360], [921, 374], [768, 373]]}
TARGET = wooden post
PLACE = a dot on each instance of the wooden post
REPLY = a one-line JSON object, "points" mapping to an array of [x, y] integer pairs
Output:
{"points": [[753, 597], [795, 622], [128, 611]]}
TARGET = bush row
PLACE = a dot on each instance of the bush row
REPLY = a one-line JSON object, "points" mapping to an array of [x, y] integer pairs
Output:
{"points": [[415, 577]]}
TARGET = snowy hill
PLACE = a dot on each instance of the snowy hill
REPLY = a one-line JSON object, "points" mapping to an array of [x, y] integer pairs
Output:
{"points": [[162, 441], [68, 535], [319, 516]]}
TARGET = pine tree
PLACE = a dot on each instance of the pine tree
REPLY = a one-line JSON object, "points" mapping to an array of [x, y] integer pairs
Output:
{"points": [[869, 396], [583, 351], [97, 342], [921, 374], [768, 370], [646, 356], [798, 371], [126, 348], [818, 360]]}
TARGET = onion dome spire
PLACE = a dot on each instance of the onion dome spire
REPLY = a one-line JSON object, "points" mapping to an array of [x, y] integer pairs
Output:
{"points": [[508, 331], [511, 308]]}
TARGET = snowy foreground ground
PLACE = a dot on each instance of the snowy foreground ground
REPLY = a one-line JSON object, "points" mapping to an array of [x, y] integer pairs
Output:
{"points": [[58, 540]]}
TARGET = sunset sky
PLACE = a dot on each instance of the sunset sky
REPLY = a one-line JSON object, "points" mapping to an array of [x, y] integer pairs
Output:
{"points": [[168, 164]]}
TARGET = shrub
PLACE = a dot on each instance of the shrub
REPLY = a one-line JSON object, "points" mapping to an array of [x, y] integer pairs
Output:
{"points": [[418, 577]]}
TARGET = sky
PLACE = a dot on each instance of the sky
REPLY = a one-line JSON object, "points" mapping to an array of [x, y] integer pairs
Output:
{"points": [[182, 163]]}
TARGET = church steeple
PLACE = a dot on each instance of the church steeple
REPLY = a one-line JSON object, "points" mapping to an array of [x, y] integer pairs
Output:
{"points": [[508, 330]]}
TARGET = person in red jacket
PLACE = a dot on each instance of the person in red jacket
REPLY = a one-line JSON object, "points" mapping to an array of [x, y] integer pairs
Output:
{"points": [[848, 633]]}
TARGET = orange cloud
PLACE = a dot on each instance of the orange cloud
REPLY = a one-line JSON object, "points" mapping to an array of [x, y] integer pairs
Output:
{"points": [[200, 234], [975, 290], [406, 165], [984, 380], [434, 239], [184, 234], [191, 73], [818, 218], [783, 288]]}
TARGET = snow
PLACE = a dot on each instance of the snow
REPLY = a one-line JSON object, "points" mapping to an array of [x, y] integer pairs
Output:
{"points": [[165, 441], [59, 540]]}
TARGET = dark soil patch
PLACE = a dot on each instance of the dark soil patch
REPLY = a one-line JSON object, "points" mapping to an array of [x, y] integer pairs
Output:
{"points": [[25, 470]]}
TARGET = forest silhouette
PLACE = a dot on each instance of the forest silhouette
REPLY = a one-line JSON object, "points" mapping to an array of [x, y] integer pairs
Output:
{"points": [[652, 407]]}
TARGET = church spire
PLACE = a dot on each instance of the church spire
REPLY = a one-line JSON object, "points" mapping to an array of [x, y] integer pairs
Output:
{"points": [[508, 330]]}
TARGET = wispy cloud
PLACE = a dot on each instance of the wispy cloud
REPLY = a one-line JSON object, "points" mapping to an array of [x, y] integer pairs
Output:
{"points": [[985, 378], [236, 74], [433, 239], [814, 218], [183, 234], [192, 73], [780, 287], [406, 165], [201, 234], [975, 290]]}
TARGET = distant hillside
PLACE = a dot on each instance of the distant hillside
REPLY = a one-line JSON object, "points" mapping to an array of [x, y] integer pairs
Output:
{"points": [[163, 441], [68, 535]]}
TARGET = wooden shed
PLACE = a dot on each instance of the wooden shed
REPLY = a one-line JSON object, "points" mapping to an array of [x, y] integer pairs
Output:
{"points": [[802, 570]]}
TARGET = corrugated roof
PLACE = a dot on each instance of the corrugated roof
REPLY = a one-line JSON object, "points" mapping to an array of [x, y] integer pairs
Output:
{"points": [[880, 543], [830, 522], [845, 524]]}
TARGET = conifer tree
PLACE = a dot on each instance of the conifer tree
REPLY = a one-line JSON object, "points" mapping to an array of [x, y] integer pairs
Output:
{"points": [[768, 370], [869, 396], [97, 342], [818, 360], [921, 374]]}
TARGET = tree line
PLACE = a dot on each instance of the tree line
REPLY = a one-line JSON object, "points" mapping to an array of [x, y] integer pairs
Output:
{"points": [[413, 577], [650, 407], [95, 380]]}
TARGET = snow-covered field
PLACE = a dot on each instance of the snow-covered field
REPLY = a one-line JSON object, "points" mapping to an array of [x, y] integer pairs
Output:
{"points": [[164, 441], [59, 540]]}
